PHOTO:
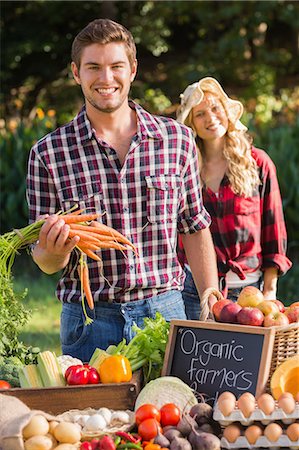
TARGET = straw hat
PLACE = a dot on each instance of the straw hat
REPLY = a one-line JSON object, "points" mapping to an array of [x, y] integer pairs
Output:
{"points": [[194, 94]]}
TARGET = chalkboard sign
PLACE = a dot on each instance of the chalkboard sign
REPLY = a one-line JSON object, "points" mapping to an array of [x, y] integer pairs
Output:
{"points": [[215, 357]]}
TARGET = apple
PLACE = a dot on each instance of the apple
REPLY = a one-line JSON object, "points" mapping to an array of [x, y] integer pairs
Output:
{"points": [[217, 307], [280, 305], [293, 305], [250, 316], [292, 314], [267, 307], [277, 319], [250, 296], [229, 312]]}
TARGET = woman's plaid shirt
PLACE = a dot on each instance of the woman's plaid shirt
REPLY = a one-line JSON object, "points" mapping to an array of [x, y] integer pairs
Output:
{"points": [[248, 233], [154, 195]]}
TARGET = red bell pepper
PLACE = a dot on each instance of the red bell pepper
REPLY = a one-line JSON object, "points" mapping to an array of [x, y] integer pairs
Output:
{"points": [[80, 375]]}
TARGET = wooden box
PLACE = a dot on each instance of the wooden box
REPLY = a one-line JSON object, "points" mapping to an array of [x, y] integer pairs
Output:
{"points": [[56, 400]]}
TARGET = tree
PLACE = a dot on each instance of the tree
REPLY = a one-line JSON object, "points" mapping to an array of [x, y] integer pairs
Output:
{"points": [[249, 44]]}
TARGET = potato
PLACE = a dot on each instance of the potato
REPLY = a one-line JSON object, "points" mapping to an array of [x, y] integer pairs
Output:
{"points": [[52, 425], [38, 425], [67, 432], [38, 443], [66, 447]]}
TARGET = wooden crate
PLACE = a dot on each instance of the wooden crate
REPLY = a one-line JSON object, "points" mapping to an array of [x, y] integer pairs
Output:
{"points": [[56, 400]]}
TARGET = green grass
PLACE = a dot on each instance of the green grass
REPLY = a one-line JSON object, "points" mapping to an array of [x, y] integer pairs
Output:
{"points": [[43, 328]]}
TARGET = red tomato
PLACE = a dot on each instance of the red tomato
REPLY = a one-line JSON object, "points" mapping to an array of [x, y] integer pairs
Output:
{"points": [[4, 384], [170, 414], [148, 429], [147, 411]]}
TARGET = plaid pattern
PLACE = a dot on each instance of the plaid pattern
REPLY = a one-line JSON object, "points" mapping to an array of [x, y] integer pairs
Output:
{"points": [[150, 199], [248, 233]]}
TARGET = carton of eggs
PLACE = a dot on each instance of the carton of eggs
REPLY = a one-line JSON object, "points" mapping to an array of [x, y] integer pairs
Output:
{"points": [[247, 409], [256, 436]]}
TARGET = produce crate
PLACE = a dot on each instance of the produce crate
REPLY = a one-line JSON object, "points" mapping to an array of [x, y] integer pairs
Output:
{"points": [[56, 400], [286, 345]]}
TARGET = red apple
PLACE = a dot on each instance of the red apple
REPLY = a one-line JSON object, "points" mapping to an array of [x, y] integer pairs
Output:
{"points": [[276, 320], [229, 313], [267, 307], [250, 296], [292, 314], [250, 316], [217, 307], [280, 305]]}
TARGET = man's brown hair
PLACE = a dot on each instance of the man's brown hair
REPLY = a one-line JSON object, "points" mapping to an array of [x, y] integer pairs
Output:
{"points": [[103, 31]]}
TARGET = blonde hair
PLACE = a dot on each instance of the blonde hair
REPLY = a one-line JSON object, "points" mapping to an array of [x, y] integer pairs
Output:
{"points": [[242, 170]]}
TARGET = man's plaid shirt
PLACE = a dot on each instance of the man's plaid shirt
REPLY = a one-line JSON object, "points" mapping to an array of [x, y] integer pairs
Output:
{"points": [[152, 197], [248, 233]]}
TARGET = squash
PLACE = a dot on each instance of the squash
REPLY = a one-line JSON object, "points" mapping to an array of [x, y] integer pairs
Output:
{"points": [[285, 378]]}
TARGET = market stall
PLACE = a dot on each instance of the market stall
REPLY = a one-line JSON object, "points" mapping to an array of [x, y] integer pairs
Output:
{"points": [[232, 382]]}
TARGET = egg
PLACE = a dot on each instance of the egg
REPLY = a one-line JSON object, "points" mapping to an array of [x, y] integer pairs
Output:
{"points": [[106, 413], [225, 395], [226, 406], [266, 403], [293, 432], [273, 431], [246, 404], [252, 433], [95, 422], [232, 432], [287, 404]]}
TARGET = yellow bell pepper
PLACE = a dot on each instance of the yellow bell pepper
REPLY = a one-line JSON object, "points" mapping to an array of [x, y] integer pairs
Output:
{"points": [[115, 369]]}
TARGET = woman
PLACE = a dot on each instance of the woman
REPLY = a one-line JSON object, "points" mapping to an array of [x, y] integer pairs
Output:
{"points": [[241, 193]]}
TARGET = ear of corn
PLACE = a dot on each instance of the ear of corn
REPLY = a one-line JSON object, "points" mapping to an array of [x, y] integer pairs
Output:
{"points": [[50, 369], [98, 357], [29, 377]]}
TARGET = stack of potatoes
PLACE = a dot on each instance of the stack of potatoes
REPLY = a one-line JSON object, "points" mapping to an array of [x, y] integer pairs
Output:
{"points": [[41, 434]]}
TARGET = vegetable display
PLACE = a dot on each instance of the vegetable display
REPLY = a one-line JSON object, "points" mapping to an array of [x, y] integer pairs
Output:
{"points": [[147, 348]]}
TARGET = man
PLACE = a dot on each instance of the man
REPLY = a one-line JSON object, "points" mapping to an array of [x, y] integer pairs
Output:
{"points": [[140, 173]]}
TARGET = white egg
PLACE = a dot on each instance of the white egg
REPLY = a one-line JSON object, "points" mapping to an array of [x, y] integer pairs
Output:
{"points": [[83, 419], [120, 416], [106, 413], [95, 422]]}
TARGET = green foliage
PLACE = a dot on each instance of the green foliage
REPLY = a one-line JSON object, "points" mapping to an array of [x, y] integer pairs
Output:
{"points": [[250, 45], [12, 318], [15, 144]]}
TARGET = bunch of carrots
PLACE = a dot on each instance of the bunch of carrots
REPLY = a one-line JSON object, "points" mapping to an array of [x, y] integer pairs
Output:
{"points": [[93, 236]]}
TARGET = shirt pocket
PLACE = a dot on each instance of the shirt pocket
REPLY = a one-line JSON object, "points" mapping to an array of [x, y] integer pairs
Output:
{"points": [[246, 206], [87, 196], [162, 195]]}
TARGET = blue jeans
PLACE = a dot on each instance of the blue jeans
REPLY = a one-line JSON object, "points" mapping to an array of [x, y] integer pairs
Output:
{"points": [[112, 322], [191, 298]]}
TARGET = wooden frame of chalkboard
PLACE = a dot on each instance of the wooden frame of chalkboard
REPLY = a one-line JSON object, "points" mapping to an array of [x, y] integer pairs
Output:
{"points": [[215, 357]]}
